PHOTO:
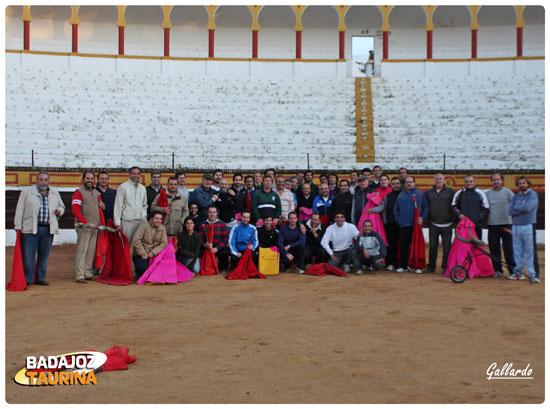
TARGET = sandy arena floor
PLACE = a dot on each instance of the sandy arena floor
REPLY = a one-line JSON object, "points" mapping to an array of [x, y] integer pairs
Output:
{"points": [[386, 338]]}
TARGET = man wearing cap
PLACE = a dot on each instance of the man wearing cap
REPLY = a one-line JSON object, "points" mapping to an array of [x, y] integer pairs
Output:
{"points": [[204, 195]]}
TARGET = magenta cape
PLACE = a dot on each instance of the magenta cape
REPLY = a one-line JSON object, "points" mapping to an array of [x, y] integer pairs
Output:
{"points": [[480, 265], [377, 225], [165, 269]]}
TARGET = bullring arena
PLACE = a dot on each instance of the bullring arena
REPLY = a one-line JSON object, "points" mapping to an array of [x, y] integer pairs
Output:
{"points": [[451, 89]]}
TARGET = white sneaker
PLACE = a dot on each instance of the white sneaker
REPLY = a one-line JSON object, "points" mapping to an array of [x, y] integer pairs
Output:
{"points": [[516, 277], [534, 280], [299, 271], [399, 270], [346, 268], [389, 268], [418, 271], [359, 272]]}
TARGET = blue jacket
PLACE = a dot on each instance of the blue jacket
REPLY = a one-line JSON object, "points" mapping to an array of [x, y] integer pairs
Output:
{"points": [[523, 208], [240, 236], [202, 198], [322, 206], [404, 207]]}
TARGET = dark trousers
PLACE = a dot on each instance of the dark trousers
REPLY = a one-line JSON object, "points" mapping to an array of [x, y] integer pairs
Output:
{"points": [[405, 239], [445, 233], [535, 255], [315, 251], [222, 255], [479, 232], [392, 234], [371, 261], [141, 265], [31, 244], [235, 260], [496, 234], [348, 256], [298, 253]]}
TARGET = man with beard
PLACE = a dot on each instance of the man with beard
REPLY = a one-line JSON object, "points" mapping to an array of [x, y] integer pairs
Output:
{"points": [[308, 178], [86, 205]]}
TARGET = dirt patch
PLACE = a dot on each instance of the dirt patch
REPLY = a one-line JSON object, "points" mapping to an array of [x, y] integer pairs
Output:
{"points": [[385, 338]]}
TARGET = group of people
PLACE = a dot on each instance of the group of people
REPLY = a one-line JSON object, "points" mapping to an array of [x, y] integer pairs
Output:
{"points": [[362, 223]]}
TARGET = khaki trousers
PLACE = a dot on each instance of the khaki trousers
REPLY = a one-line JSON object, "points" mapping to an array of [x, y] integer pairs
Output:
{"points": [[85, 252]]}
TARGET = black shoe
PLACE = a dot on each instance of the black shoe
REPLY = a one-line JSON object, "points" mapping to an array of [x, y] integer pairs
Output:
{"points": [[42, 283], [29, 283]]}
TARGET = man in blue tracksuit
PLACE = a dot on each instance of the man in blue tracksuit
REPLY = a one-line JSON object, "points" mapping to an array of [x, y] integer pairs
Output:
{"points": [[404, 215], [243, 235], [523, 209]]}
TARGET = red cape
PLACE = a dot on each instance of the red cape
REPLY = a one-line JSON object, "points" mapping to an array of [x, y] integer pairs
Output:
{"points": [[322, 269], [480, 264], [245, 268], [117, 358], [118, 264], [163, 202], [18, 282], [209, 265], [417, 254]]}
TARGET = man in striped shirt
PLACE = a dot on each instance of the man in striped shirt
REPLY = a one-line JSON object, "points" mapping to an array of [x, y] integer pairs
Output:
{"points": [[218, 246]]}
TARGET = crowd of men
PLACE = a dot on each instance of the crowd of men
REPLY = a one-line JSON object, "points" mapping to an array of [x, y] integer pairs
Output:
{"points": [[331, 222]]}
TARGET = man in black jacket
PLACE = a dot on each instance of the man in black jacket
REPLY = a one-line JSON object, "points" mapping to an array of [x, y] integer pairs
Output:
{"points": [[441, 220], [343, 201], [472, 203], [360, 198], [268, 236], [153, 190]]}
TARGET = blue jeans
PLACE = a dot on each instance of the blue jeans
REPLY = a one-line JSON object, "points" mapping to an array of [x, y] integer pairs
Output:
{"points": [[195, 267], [30, 244], [522, 237]]}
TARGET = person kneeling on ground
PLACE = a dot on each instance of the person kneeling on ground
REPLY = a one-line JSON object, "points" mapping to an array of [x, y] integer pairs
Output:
{"points": [[189, 246], [219, 242], [148, 241], [243, 236], [342, 235], [370, 248], [268, 236], [314, 231], [292, 244]]}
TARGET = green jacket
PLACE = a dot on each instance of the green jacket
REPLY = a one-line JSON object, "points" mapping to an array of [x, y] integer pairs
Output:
{"points": [[266, 204]]}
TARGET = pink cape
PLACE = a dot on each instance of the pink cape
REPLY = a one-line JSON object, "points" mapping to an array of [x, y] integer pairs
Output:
{"points": [[377, 225], [165, 268], [305, 213], [480, 265]]}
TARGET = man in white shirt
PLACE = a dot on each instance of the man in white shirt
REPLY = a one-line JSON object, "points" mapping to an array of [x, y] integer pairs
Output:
{"points": [[342, 235], [130, 204]]}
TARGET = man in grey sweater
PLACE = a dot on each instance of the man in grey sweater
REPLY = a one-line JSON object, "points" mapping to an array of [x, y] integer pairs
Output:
{"points": [[500, 224]]}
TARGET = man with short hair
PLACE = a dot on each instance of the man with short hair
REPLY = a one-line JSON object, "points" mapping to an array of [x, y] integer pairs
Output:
{"points": [[194, 214], [241, 237], [523, 209], [270, 172], [499, 224], [38, 209], [342, 235], [266, 202], [321, 204], [404, 215], [353, 176], [258, 180], [314, 231], [300, 177], [295, 184], [268, 236], [360, 198], [250, 191], [86, 206], [239, 193], [181, 176], [130, 204], [366, 172], [290, 187], [308, 178], [370, 248], [441, 217], [153, 190], [291, 244], [203, 195], [217, 178], [218, 246], [343, 201], [472, 203], [176, 211], [286, 198], [107, 195], [375, 182], [392, 228]]}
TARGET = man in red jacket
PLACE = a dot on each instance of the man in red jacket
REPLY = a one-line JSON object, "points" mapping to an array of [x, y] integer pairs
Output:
{"points": [[86, 205]]}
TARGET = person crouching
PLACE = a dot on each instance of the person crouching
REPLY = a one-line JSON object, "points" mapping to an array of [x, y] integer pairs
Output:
{"points": [[370, 248], [148, 241]]}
